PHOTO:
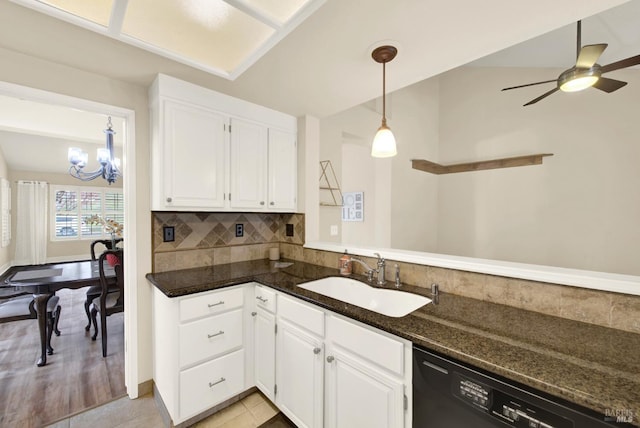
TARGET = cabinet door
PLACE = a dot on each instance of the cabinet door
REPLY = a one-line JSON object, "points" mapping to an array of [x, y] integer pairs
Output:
{"points": [[194, 156], [359, 395], [299, 375], [265, 352], [283, 162], [248, 165]]}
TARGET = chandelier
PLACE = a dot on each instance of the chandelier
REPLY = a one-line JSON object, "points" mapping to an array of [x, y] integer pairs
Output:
{"points": [[109, 165]]}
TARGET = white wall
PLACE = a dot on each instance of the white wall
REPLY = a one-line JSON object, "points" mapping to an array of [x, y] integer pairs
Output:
{"points": [[579, 209], [5, 252], [400, 203], [40, 74]]}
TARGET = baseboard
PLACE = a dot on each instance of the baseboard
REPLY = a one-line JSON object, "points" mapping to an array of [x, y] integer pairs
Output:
{"points": [[145, 388]]}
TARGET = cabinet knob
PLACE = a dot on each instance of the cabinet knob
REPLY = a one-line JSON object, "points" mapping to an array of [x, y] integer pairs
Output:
{"points": [[253, 314], [330, 359], [272, 203], [169, 199], [261, 202], [316, 350]]}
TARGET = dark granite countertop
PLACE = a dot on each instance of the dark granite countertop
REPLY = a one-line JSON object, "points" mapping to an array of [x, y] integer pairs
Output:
{"points": [[593, 366]]}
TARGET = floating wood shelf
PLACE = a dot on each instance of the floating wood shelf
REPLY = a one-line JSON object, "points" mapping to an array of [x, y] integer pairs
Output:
{"points": [[434, 168]]}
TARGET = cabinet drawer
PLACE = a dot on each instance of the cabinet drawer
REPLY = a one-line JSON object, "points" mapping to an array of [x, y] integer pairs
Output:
{"points": [[300, 314], [210, 303], [265, 298], [210, 336], [208, 384], [384, 351]]}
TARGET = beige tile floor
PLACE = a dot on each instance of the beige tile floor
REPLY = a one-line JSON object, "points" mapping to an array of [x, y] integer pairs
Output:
{"points": [[250, 412]]}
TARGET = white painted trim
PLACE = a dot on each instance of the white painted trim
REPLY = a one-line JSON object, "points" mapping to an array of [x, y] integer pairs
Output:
{"points": [[129, 174], [617, 283]]}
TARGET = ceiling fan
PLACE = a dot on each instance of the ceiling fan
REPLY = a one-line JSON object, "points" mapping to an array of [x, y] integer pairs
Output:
{"points": [[586, 72]]}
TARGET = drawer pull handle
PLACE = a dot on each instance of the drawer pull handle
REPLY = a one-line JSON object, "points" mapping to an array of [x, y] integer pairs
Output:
{"points": [[330, 359], [316, 350], [262, 299], [212, 384], [221, 302], [216, 334]]}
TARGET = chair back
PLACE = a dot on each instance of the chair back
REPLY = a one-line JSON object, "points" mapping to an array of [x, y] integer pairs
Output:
{"points": [[106, 243], [113, 258]]}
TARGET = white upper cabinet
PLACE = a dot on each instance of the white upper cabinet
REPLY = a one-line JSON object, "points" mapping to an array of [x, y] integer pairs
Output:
{"points": [[212, 152], [192, 181], [248, 165], [283, 162]]}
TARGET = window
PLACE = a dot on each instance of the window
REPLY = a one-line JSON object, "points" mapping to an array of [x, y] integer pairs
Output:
{"points": [[71, 205]]}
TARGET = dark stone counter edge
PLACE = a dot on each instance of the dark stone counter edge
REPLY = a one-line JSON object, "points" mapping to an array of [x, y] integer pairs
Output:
{"points": [[385, 323]]}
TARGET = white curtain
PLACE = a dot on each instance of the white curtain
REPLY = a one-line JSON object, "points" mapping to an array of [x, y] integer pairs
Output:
{"points": [[31, 226]]}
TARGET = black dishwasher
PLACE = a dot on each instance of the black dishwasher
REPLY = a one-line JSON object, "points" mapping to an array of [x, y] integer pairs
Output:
{"points": [[450, 394]]}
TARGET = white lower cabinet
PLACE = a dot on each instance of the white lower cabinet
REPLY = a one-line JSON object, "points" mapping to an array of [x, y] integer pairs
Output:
{"points": [[201, 349], [359, 394], [299, 362], [319, 368], [338, 373], [265, 341], [208, 384]]}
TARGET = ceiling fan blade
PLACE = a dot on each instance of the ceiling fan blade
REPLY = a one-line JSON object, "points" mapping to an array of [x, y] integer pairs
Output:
{"points": [[623, 63], [608, 85], [545, 95], [529, 84], [589, 55]]}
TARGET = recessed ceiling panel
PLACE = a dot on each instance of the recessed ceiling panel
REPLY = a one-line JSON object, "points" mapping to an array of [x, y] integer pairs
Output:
{"points": [[279, 10], [97, 11], [210, 32]]}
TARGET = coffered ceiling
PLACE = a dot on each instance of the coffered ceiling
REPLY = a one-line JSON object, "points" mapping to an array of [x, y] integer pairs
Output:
{"points": [[221, 37]]}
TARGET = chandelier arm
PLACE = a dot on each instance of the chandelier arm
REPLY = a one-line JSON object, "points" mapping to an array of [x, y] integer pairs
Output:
{"points": [[78, 173]]}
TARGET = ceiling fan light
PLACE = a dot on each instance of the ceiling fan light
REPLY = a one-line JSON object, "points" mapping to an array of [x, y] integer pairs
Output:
{"points": [[578, 79], [384, 143], [579, 83]]}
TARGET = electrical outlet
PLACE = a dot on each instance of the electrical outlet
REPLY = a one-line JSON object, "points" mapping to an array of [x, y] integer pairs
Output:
{"points": [[168, 234], [334, 230], [239, 230], [289, 229]]}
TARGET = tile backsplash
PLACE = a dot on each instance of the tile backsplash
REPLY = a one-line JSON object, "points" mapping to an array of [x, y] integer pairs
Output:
{"points": [[203, 239]]}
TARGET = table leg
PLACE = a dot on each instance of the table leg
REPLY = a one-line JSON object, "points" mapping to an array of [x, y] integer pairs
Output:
{"points": [[41, 310]]}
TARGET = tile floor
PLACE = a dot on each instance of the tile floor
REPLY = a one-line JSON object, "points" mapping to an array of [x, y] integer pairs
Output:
{"points": [[250, 412]]}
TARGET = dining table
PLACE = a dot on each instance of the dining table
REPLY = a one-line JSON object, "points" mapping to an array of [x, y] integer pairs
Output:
{"points": [[44, 280]]}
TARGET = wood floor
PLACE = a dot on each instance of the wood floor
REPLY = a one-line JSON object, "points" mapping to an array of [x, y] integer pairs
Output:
{"points": [[76, 376]]}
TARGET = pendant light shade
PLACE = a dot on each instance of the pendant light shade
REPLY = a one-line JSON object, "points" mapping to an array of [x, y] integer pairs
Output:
{"points": [[384, 143]]}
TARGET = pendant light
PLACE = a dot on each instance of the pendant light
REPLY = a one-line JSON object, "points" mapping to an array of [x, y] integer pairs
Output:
{"points": [[384, 143]]}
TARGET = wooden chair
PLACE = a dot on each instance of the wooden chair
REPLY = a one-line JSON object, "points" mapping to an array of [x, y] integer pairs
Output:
{"points": [[108, 302], [95, 290], [20, 306]]}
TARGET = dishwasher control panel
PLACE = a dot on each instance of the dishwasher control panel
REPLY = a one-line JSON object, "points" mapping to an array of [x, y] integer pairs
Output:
{"points": [[511, 411]]}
